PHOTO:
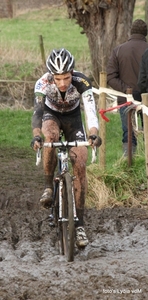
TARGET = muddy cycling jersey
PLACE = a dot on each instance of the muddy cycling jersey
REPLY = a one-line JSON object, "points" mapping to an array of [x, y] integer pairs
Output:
{"points": [[80, 87]]}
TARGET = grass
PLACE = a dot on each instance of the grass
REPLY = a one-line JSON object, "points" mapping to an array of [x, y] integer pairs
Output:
{"points": [[121, 180], [19, 40], [16, 128], [26, 32], [139, 11], [118, 180]]}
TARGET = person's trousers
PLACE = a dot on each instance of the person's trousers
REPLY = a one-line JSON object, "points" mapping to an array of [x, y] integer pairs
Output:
{"points": [[124, 122]]}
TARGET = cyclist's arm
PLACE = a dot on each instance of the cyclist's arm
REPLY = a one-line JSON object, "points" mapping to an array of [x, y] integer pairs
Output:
{"points": [[90, 111], [37, 114], [93, 131], [91, 118], [39, 100]]}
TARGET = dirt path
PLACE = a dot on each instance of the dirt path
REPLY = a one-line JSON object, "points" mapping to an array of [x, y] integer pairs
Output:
{"points": [[113, 266]]}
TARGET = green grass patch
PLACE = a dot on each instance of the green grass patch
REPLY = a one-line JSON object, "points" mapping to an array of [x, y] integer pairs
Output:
{"points": [[19, 40], [15, 128], [20, 46], [139, 11]]}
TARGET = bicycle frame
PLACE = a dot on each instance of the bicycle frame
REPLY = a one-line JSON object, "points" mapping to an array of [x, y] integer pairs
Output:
{"points": [[63, 167], [63, 211]]}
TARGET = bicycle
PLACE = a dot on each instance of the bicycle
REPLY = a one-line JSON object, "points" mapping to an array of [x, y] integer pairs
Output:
{"points": [[63, 214]]}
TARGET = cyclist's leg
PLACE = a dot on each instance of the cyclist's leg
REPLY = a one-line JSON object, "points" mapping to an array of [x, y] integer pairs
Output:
{"points": [[80, 184], [50, 130]]}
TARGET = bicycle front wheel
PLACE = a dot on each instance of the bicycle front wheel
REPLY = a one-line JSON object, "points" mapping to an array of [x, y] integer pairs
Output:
{"points": [[68, 225], [58, 224]]}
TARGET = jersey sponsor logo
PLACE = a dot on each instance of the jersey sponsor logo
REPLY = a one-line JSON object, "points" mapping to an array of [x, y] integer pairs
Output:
{"points": [[85, 81], [80, 134], [41, 85], [80, 79], [38, 86]]}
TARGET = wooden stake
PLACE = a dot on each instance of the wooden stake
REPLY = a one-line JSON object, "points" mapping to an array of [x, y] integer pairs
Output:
{"points": [[102, 122], [129, 118], [42, 49], [145, 124]]}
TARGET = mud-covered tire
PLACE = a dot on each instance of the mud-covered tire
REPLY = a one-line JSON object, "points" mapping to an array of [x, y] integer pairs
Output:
{"points": [[68, 226]]}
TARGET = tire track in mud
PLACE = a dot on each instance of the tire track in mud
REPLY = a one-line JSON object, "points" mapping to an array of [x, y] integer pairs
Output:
{"points": [[113, 266]]}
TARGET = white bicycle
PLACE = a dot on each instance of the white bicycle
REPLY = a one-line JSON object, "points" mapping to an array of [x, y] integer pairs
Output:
{"points": [[63, 214]]}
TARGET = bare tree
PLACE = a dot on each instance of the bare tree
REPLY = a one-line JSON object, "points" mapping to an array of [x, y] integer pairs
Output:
{"points": [[106, 23], [9, 4]]}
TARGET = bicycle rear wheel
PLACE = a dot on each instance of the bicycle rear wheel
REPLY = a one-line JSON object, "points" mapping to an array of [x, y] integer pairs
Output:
{"points": [[68, 226]]}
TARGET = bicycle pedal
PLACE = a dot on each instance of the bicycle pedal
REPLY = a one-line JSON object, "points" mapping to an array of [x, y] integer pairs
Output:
{"points": [[51, 220], [51, 224], [51, 217]]}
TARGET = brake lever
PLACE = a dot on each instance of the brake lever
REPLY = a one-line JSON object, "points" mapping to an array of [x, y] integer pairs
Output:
{"points": [[38, 157]]}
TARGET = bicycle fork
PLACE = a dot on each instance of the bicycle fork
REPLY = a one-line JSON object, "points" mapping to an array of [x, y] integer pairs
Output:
{"points": [[59, 182], [60, 203], [52, 211]]}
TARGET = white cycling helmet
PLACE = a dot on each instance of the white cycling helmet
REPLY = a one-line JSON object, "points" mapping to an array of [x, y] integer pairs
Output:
{"points": [[60, 61]]}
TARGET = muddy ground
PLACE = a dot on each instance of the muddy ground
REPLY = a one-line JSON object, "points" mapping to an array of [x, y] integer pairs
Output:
{"points": [[113, 266]]}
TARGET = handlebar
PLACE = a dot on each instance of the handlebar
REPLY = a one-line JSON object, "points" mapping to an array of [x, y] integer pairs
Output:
{"points": [[67, 145]]}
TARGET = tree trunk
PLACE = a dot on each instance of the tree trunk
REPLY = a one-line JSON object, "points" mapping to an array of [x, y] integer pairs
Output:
{"points": [[146, 12], [106, 24], [9, 8]]}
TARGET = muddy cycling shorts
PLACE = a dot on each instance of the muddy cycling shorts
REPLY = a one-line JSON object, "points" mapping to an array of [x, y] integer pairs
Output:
{"points": [[70, 123]]}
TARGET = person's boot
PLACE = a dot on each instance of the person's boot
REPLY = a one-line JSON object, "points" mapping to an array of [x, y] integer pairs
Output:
{"points": [[81, 238], [134, 148], [46, 198], [125, 149]]}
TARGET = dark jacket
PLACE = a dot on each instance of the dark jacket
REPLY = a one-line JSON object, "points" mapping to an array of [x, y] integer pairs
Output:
{"points": [[143, 73], [123, 66]]}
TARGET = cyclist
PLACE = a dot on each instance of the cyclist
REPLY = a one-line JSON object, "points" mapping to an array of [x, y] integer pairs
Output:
{"points": [[57, 107]]}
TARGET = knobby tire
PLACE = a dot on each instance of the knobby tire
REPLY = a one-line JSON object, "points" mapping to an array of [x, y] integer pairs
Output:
{"points": [[68, 226], [58, 223]]}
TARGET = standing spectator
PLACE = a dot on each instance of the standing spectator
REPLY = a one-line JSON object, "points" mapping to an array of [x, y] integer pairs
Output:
{"points": [[143, 73], [122, 72]]}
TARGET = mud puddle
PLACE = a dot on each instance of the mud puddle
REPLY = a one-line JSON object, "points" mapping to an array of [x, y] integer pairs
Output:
{"points": [[113, 266]]}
